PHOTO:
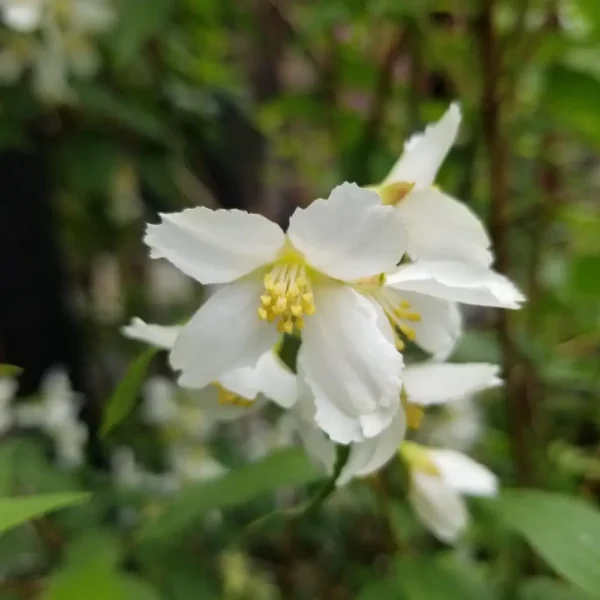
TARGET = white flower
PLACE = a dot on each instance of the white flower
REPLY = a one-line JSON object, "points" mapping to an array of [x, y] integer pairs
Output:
{"points": [[190, 463], [425, 384], [419, 299], [275, 283], [438, 480], [69, 444], [238, 391], [8, 388], [22, 15], [438, 226], [159, 406]]}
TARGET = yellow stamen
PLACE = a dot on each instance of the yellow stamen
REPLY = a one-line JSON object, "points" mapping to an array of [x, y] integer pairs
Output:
{"points": [[393, 193], [227, 397], [417, 458]]}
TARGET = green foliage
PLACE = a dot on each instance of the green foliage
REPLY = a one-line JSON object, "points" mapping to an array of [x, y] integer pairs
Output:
{"points": [[544, 588], [564, 530], [19, 510], [122, 402], [288, 467]]}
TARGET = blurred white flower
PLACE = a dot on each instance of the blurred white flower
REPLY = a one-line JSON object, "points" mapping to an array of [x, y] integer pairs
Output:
{"points": [[438, 226], [194, 463], [168, 286], [238, 391], [425, 384], [438, 480], [55, 39], [295, 281], [106, 289], [159, 403], [8, 388]]}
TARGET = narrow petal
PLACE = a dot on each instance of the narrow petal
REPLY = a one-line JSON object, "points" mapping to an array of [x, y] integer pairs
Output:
{"points": [[371, 455], [440, 326], [442, 228], [439, 506], [349, 236], [464, 474], [223, 335], [23, 16], [457, 282], [439, 383], [352, 369], [425, 152], [215, 246], [318, 446], [161, 336]]}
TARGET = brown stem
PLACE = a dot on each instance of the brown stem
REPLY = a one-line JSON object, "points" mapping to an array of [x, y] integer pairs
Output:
{"points": [[498, 174]]}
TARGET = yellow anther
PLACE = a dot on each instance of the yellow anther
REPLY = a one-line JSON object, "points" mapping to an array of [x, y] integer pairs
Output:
{"points": [[288, 326], [293, 290], [413, 316], [280, 306], [279, 289], [269, 283], [299, 323], [227, 397], [263, 314], [266, 300], [409, 332], [405, 304], [301, 281], [400, 345], [414, 415], [296, 310]]}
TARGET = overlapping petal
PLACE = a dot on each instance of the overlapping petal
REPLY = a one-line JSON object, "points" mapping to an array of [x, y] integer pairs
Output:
{"points": [[456, 282], [160, 336], [350, 235], [215, 246], [351, 367], [440, 227], [223, 335], [433, 383]]}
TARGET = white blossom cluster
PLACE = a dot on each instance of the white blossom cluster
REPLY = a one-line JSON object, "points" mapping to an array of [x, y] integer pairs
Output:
{"points": [[55, 413], [52, 39], [356, 277]]}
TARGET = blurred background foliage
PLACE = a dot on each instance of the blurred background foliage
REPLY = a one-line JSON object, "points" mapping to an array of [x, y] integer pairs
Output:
{"points": [[265, 105]]}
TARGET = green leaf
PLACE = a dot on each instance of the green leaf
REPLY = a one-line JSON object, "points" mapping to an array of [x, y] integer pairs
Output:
{"points": [[15, 511], [138, 22], [584, 276], [572, 99], [544, 588], [564, 530], [134, 115], [124, 397], [10, 370], [286, 467]]}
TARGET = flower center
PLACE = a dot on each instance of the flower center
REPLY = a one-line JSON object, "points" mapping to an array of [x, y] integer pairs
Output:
{"points": [[228, 398], [397, 310], [417, 458], [288, 296], [393, 193]]}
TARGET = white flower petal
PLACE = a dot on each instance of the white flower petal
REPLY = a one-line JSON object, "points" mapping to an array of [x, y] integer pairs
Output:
{"points": [[161, 336], [440, 326], [276, 381], [349, 365], [438, 383], [456, 282], [215, 246], [440, 227], [318, 447], [349, 236], [23, 16], [159, 406], [464, 474], [224, 334], [440, 508], [425, 152], [369, 456]]}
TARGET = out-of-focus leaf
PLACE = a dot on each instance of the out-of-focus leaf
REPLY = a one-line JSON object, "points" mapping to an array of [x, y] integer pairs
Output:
{"points": [[584, 275], [572, 99], [137, 589], [286, 467], [138, 22], [378, 589], [544, 588], [135, 116], [10, 370], [18, 510], [123, 399], [564, 530]]}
